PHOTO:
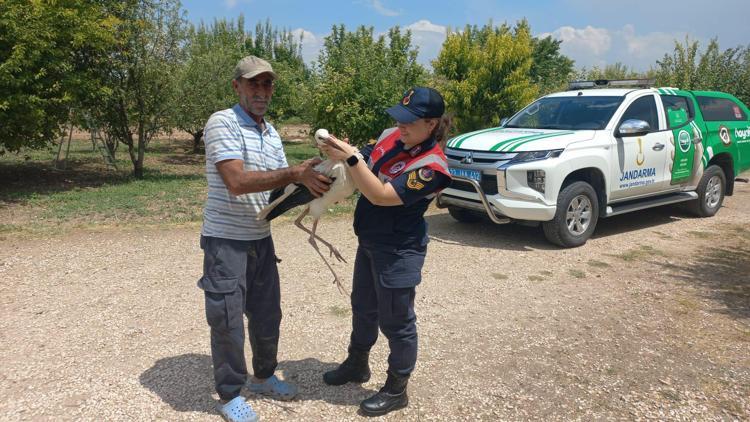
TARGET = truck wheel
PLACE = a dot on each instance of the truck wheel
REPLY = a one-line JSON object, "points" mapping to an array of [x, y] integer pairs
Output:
{"points": [[576, 216], [710, 192], [464, 215]]}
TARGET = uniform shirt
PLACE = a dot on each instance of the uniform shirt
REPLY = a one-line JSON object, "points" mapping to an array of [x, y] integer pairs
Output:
{"points": [[232, 134], [400, 225]]}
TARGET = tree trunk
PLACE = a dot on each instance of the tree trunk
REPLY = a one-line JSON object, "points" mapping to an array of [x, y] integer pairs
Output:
{"points": [[197, 144], [138, 163]]}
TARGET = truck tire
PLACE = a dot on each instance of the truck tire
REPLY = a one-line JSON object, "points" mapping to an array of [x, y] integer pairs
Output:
{"points": [[710, 192], [576, 216], [464, 215]]}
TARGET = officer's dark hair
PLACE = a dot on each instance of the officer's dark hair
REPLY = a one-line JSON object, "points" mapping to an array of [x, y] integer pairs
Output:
{"points": [[440, 133]]}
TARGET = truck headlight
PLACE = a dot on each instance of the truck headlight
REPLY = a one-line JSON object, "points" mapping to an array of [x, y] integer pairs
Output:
{"points": [[523, 157], [535, 180]]}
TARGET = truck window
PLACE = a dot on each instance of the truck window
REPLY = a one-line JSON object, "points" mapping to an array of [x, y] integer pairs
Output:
{"points": [[644, 109], [679, 110], [570, 113], [720, 109]]}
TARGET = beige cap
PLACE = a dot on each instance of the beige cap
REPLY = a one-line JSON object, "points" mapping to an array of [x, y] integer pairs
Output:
{"points": [[251, 66]]}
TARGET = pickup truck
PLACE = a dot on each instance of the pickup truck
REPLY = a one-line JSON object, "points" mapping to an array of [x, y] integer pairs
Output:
{"points": [[572, 157]]}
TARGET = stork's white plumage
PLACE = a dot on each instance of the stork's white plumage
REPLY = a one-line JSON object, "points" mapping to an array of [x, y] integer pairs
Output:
{"points": [[293, 195]]}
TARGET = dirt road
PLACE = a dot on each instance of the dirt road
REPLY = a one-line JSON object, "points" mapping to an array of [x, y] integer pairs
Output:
{"points": [[650, 319]]}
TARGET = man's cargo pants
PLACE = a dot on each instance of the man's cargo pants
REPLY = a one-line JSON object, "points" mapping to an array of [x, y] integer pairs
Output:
{"points": [[241, 277]]}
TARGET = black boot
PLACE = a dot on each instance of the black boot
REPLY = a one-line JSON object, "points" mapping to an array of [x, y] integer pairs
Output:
{"points": [[391, 397], [354, 369]]}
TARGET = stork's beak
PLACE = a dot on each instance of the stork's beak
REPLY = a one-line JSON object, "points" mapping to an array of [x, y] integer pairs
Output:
{"points": [[330, 143]]}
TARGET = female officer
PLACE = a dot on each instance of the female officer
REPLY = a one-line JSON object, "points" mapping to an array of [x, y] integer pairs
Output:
{"points": [[398, 177]]}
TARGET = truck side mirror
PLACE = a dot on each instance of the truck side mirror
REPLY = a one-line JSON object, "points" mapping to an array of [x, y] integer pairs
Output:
{"points": [[633, 127]]}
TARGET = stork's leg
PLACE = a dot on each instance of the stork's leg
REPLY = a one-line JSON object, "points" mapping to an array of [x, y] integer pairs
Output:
{"points": [[311, 240], [313, 236], [331, 249]]}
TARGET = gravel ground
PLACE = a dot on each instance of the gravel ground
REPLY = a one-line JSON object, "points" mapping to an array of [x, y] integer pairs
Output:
{"points": [[649, 320]]}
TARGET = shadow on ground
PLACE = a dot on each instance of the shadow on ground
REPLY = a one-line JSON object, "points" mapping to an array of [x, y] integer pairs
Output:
{"points": [[516, 237], [185, 383], [21, 182], [724, 274]]}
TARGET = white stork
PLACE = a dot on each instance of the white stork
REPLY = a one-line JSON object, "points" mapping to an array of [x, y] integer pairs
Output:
{"points": [[296, 194]]}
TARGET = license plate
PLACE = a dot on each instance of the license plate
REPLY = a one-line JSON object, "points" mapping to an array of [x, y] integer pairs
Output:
{"points": [[467, 173]]}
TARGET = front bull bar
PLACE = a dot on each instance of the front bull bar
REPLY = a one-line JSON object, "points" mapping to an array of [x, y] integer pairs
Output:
{"points": [[478, 188]]}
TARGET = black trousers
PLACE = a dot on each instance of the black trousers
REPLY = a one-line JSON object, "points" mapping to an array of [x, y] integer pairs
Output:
{"points": [[378, 301], [241, 277]]}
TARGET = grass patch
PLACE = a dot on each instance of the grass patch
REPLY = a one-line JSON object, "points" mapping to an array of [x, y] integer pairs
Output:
{"points": [[546, 273], [641, 253], [535, 278], [577, 273], [598, 264], [499, 276], [701, 235], [670, 395], [339, 311], [89, 193], [687, 305], [662, 235]]}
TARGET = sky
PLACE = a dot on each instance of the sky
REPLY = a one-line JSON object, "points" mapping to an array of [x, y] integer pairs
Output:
{"points": [[593, 32]]}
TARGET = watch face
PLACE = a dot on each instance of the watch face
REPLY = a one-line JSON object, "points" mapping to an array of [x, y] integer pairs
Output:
{"points": [[352, 160]]}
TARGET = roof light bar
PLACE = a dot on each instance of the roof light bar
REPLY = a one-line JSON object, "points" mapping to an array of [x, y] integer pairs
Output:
{"points": [[602, 83]]}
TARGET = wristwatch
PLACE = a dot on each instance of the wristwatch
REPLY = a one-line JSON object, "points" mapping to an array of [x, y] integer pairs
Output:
{"points": [[354, 159]]}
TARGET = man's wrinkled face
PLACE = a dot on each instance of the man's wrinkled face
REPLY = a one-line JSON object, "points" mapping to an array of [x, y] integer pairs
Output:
{"points": [[255, 93]]}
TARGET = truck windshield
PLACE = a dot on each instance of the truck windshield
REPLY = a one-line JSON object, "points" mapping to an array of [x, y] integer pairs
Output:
{"points": [[571, 113]]}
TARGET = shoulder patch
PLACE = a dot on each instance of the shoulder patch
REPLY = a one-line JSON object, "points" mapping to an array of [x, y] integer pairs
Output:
{"points": [[426, 174], [412, 182]]}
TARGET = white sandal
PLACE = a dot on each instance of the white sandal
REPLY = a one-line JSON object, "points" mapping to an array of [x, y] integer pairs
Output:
{"points": [[237, 410]]}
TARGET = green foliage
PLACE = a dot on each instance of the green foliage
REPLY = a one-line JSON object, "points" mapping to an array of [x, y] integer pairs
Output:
{"points": [[550, 70], [485, 74], [712, 69], [204, 79], [611, 71], [280, 47], [48, 52], [359, 77], [141, 78]]}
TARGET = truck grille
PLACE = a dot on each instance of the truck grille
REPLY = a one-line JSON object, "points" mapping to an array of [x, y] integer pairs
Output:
{"points": [[488, 184]]}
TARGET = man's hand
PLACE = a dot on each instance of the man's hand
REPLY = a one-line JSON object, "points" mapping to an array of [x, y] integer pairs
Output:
{"points": [[317, 183]]}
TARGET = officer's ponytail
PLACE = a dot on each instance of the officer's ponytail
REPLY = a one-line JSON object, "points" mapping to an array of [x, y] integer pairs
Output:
{"points": [[440, 133]]}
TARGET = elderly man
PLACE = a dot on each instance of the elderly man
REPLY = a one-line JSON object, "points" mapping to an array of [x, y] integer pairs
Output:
{"points": [[244, 160]]}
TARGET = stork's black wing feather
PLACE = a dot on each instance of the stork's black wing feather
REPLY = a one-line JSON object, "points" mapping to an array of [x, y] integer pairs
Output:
{"points": [[301, 196]]}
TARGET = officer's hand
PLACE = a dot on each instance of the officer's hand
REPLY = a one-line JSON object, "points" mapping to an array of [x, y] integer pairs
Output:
{"points": [[337, 149], [317, 183]]}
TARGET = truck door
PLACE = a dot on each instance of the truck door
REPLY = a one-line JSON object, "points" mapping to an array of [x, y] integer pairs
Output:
{"points": [[686, 137], [639, 162]]}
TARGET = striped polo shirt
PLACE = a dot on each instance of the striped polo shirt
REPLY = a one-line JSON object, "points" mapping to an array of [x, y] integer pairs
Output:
{"points": [[232, 134]]}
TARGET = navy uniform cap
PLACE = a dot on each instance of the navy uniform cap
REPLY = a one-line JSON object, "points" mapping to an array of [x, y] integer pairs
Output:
{"points": [[418, 103]]}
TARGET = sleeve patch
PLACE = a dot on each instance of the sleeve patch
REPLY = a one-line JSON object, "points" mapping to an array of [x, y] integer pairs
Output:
{"points": [[426, 174], [413, 182]]}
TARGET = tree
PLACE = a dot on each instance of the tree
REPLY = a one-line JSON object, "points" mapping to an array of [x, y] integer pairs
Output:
{"points": [[49, 51], [550, 70], [141, 81], [612, 71], [485, 74], [211, 53], [689, 68], [204, 79], [358, 77], [291, 96]]}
